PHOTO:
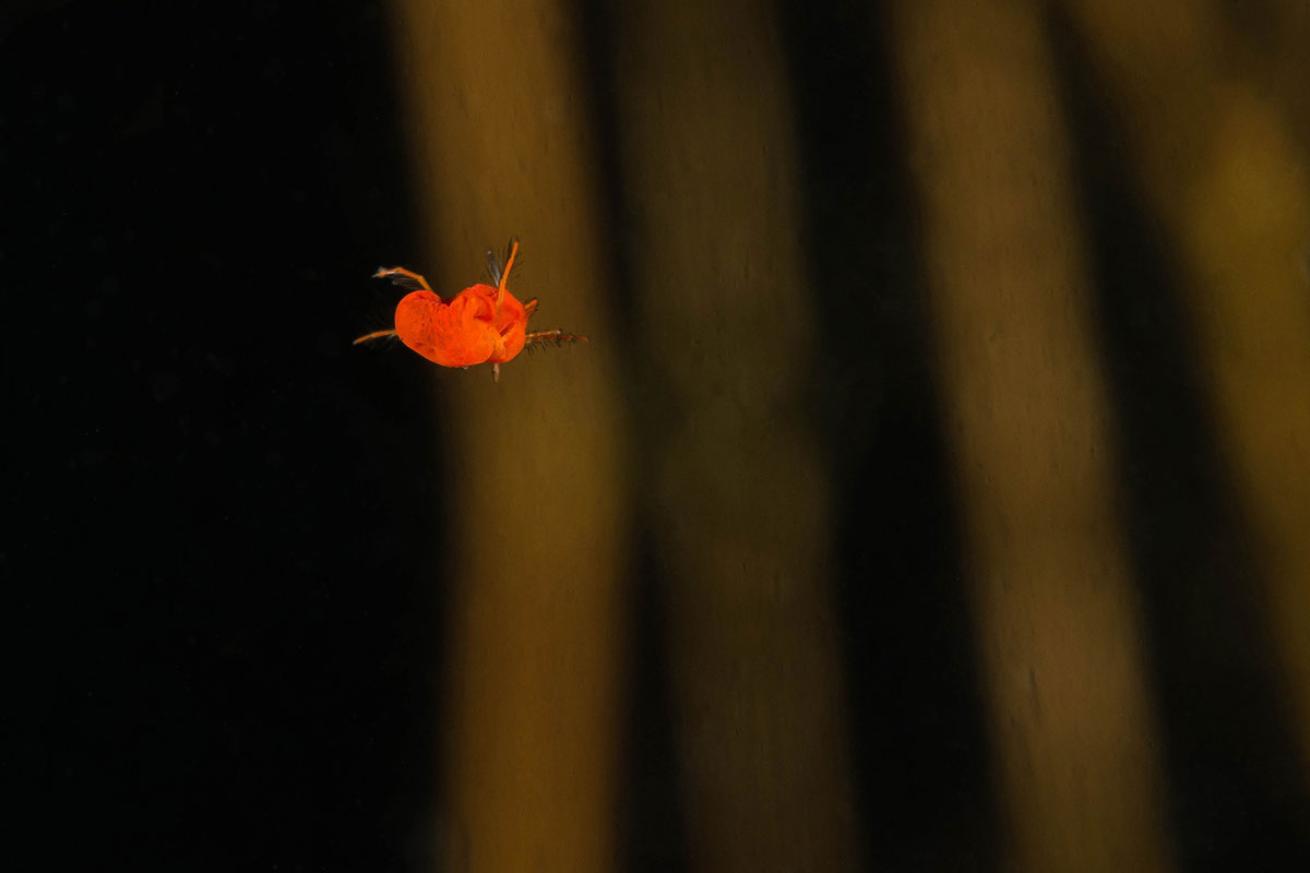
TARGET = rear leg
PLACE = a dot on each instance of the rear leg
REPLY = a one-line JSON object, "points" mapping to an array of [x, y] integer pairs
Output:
{"points": [[553, 337]]}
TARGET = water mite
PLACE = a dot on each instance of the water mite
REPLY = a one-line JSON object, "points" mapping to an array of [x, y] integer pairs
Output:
{"points": [[480, 325]]}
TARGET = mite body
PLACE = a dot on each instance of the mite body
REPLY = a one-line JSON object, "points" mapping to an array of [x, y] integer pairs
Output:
{"points": [[483, 324]]}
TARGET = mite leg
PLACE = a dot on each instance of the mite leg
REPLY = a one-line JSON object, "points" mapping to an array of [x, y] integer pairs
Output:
{"points": [[389, 272], [530, 307], [555, 337], [494, 268], [509, 265], [495, 372], [369, 337]]}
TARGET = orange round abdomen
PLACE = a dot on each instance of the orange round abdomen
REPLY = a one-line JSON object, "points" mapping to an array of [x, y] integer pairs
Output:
{"points": [[469, 330]]}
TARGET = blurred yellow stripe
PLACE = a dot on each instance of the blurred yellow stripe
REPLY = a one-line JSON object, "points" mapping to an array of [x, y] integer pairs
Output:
{"points": [[1027, 417], [741, 493], [501, 145], [1225, 172]]}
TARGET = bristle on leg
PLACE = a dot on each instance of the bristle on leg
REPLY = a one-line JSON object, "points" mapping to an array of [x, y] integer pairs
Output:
{"points": [[554, 338]]}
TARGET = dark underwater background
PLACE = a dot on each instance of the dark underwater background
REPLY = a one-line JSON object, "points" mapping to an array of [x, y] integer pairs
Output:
{"points": [[933, 493]]}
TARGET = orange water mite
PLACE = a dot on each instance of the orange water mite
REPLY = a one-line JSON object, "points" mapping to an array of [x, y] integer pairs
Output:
{"points": [[480, 325]]}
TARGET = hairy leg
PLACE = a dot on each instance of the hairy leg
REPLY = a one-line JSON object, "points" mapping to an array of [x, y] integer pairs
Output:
{"points": [[509, 265], [555, 337], [394, 272]]}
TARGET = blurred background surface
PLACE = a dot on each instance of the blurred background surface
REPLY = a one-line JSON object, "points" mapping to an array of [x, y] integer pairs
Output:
{"points": [[933, 493]]}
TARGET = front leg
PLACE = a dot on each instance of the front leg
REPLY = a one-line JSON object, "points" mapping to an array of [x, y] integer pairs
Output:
{"points": [[404, 278]]}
